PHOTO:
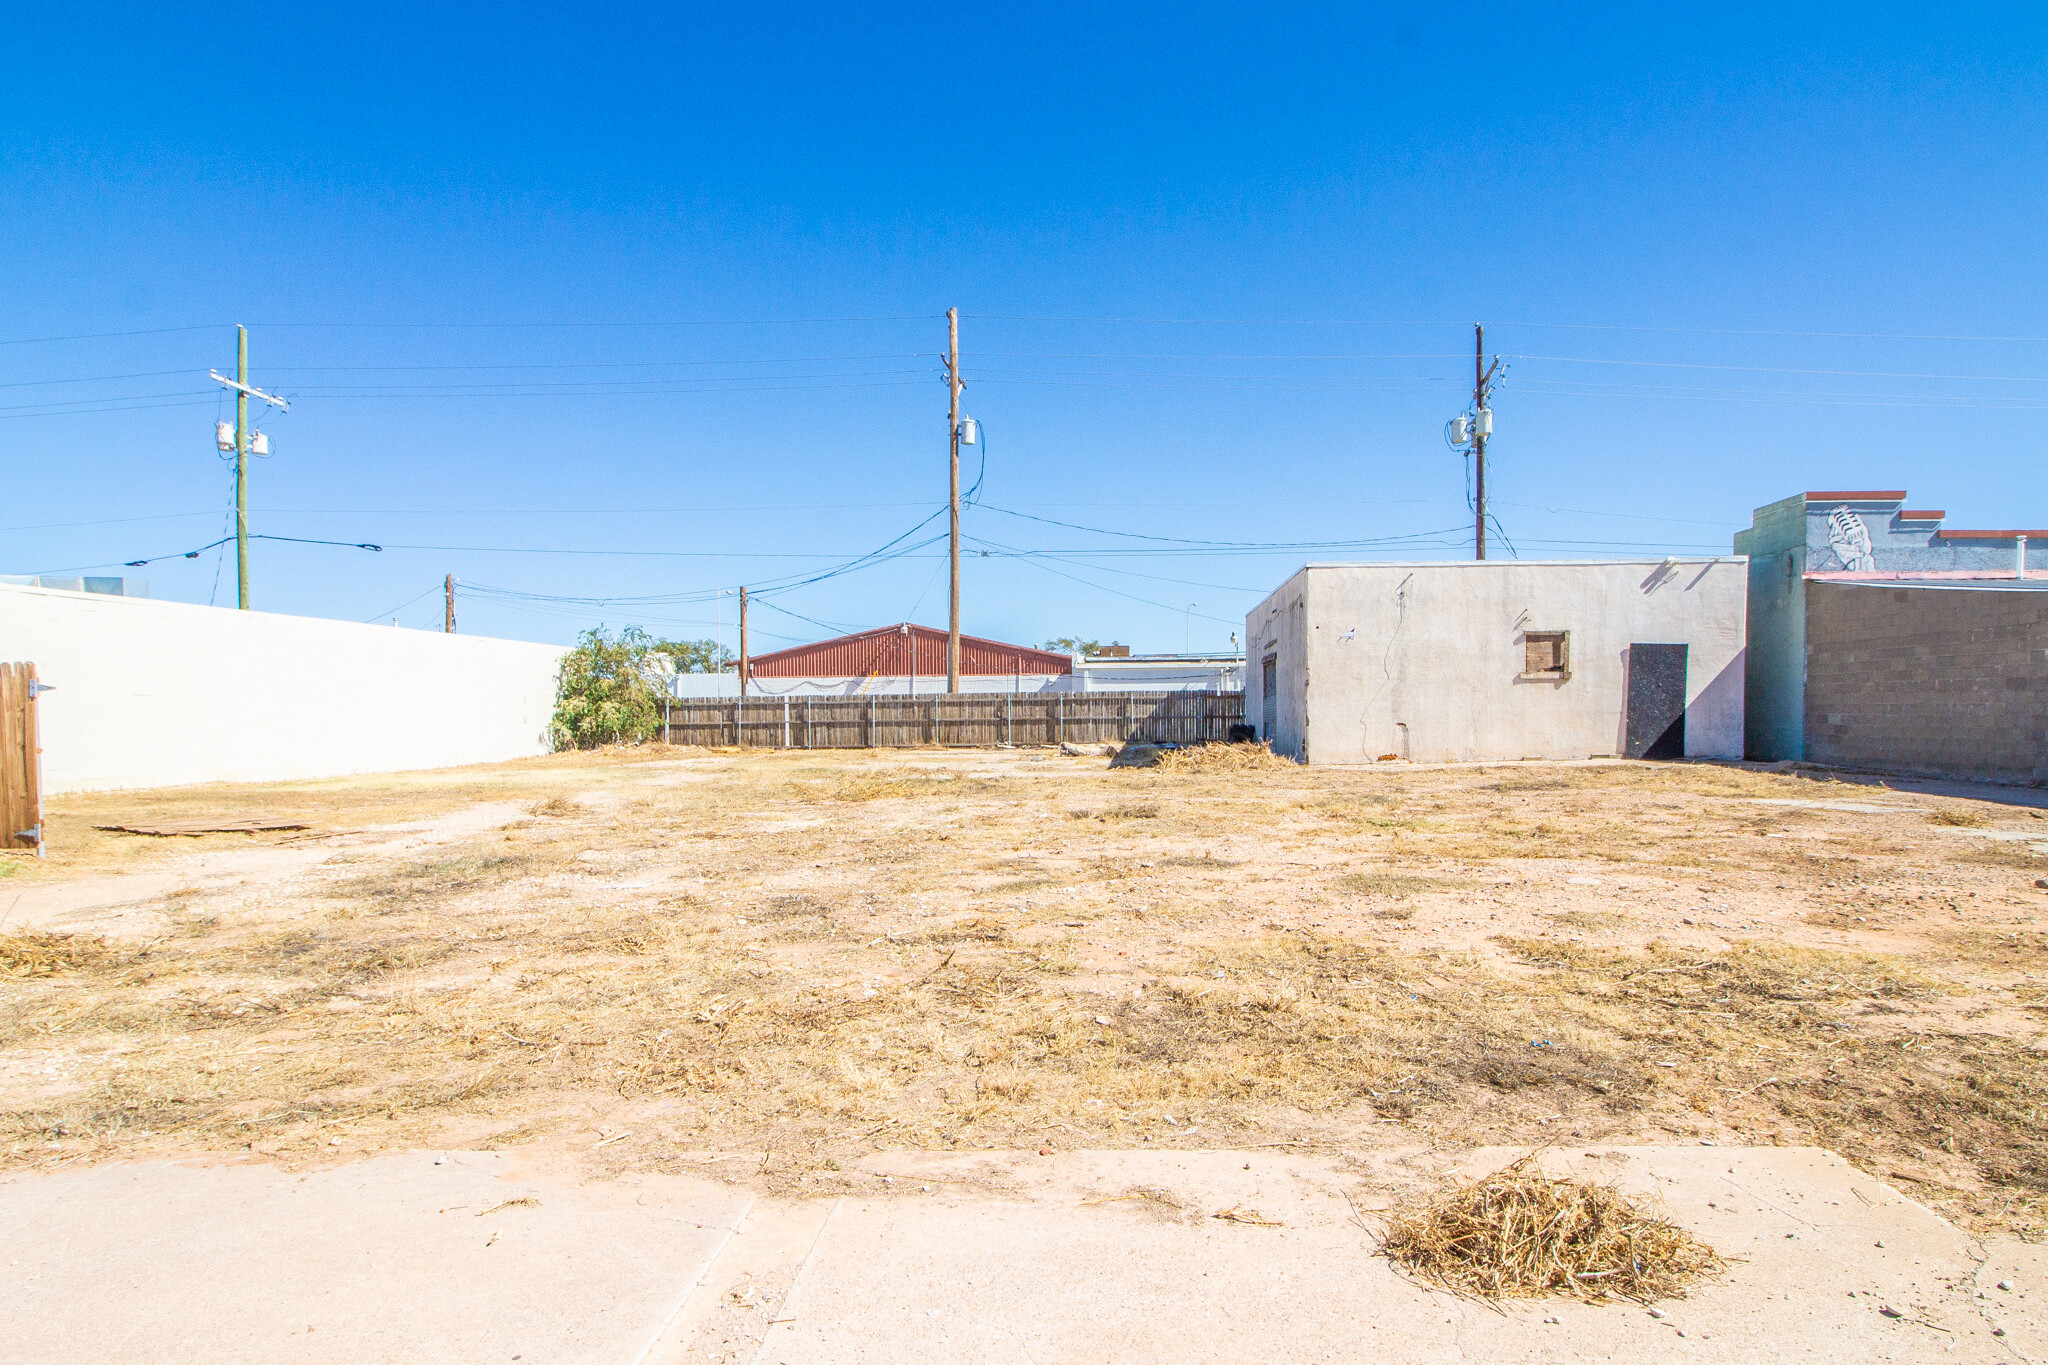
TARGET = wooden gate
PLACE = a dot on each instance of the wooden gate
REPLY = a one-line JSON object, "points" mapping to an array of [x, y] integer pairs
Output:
{"points": [[21, 788]]}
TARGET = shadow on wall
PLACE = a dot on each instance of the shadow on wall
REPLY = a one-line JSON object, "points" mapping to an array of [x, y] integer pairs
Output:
{"points": [[1657, 722], [1714, 717]]}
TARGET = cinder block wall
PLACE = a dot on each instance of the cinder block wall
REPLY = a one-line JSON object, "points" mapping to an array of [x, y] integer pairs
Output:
{"points": [[1949, 682]]}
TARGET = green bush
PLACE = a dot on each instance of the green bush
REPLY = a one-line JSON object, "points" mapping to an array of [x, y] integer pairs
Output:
{"points": [[694, 656], [604, 694]]}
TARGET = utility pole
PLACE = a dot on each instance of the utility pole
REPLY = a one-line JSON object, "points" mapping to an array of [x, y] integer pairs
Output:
{"points": [[953, 494], [1479, 441], [240, 384], [743, 642], [241, 467], [1482, 427], [448, 586]]}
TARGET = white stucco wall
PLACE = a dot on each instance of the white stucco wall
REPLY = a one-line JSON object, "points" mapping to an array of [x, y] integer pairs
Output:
{"points": [[150, 694], [1424, 660], [1277, 629]]}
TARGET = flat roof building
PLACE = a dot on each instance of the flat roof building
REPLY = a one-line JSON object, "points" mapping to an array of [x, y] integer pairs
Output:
{"points": [[1880, 638], [1477, 660]]}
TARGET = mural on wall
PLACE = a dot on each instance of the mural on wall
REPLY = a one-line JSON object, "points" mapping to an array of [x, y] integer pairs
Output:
{"points": [[1849, 538]]}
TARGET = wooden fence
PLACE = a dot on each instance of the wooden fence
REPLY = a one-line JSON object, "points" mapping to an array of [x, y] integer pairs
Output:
{"points": [[973, 719], [21, 801]]}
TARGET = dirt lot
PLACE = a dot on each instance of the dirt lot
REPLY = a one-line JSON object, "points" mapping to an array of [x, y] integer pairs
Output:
{"points": [[764, 964]]}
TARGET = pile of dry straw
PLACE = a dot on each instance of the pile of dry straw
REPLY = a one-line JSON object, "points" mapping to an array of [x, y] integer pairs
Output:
{"points": [[1519, 1233], [1221, 758]]}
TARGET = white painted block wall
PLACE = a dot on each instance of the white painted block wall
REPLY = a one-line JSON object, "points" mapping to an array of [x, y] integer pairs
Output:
{"points": [[1423, 661], [152, 694]]}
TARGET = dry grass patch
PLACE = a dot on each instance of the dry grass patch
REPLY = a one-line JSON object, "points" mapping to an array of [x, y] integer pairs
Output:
{"points": [[1223, 758], [1519, 1233], [36, 954], [1591, 919], [1394, 885], [839, 977], [437, 879], [1958, 817]]}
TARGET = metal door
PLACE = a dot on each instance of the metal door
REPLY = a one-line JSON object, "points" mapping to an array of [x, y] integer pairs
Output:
{"points": [[1656, 701], [1269, 697]]}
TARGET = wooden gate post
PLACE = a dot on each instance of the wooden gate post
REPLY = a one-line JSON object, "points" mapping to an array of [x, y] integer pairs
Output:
{"points": [[21, 762]]}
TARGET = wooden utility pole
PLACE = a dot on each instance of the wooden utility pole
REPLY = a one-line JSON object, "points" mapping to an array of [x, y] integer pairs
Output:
{"points": [[1478, 440], [240, 384], [242, 467], [1482, 427], [448, 587], [743, 642], [953, 494]]}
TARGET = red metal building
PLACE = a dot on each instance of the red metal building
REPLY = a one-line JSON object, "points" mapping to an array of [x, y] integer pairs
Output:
{"points": [[906, 651]]}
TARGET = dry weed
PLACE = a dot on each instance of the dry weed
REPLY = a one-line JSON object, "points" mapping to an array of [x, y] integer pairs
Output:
{"points": [[811, 975], [36, 954], [1223, 758], [1519, 1233], [1393, 885]]}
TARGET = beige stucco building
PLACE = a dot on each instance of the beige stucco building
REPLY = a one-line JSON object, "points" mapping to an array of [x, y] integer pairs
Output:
{"points": [[1500, 659]]}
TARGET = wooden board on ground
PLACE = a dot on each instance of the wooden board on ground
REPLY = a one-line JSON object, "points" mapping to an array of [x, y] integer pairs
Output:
{"points": [[255, 825]]}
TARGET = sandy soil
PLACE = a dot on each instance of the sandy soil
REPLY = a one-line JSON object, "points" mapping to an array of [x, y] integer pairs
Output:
{"points": [[767, 965]]}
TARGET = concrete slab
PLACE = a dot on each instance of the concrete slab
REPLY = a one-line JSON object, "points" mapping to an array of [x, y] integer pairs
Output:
{"points": [[1860, 807], [1085, 1256], [1121, 1257], [393, 1259]]}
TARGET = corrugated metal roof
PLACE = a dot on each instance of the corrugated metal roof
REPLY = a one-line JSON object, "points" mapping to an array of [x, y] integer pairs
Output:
{"points": [[905, 650]]}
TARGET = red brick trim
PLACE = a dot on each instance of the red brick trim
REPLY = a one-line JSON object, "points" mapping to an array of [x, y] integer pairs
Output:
{"points": [[1921, 516], [1909, 575], [1989, 535], [1865, 495]]}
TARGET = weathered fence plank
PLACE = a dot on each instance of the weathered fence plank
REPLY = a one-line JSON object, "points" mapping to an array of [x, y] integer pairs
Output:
{"points": [[969, 720]]}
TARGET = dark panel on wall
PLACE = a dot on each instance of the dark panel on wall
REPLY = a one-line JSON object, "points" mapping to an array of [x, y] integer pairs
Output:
{"points": [[1656, 701]]}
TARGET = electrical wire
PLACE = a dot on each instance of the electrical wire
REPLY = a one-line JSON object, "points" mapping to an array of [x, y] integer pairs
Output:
{"points": [[102, 336], [375, 617], [572, 325], [1440, 322], [1784, 369], [194, 554]]}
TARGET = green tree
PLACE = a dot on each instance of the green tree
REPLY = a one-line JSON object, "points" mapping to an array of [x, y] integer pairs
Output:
{"points": [[1068, 644], [695, 656], [603, 695]]}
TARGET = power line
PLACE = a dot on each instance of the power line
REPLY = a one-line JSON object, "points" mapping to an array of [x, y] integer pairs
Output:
{"points": [[572, 325], [102, 336], [1784, 369], [1561, 326]]}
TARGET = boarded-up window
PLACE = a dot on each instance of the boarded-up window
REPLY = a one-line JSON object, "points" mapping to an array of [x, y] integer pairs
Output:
{"points": [[1547, 653]]}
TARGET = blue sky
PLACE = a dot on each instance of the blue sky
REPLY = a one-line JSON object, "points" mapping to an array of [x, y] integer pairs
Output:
{"points": [[645, 303]]}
